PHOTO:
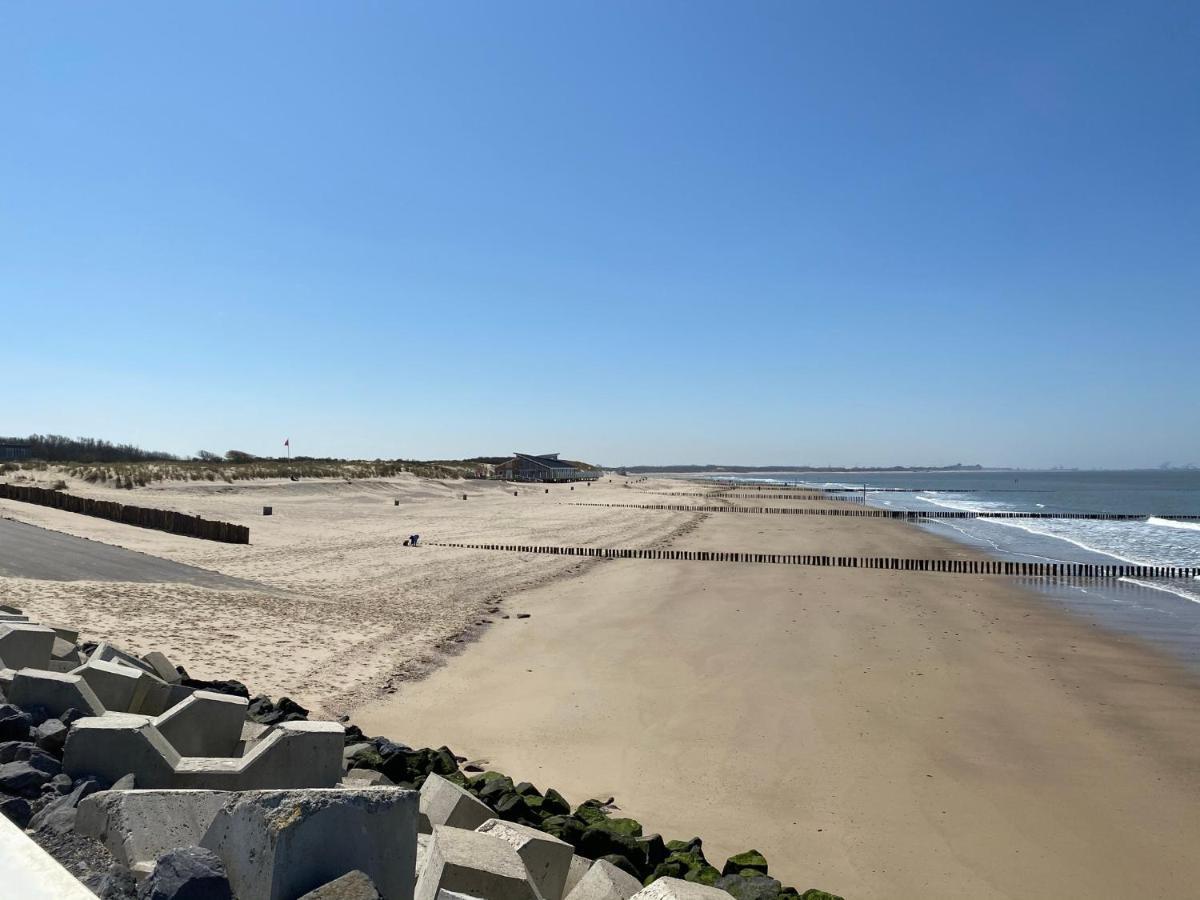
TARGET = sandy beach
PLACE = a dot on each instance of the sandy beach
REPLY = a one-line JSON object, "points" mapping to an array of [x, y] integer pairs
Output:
{"points": [[878, 734]]}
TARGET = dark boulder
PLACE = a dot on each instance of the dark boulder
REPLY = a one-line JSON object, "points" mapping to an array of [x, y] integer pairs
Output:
{"points": [[565, 828], [15, 724], [11, 751], [59, 814], [443, 762], [187, 873], [555, 804], [598, 843], [16, 809], [50, 736], [23, 779], [263, 711], [815, 894], [512, 808], [116, 883], [493, 786], [525, 789], [751, 859], [655, 849], [754, 887]]}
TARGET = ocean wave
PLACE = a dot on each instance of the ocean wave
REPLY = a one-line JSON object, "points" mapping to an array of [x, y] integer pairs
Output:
{"points": [[1171, 523], [1166, 588]]}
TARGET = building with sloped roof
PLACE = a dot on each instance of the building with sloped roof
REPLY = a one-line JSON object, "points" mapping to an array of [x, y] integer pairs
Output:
{"points": [[542, 467]]}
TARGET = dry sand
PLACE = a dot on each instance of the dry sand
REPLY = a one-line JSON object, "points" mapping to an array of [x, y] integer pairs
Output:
{"points": [[878, 734]]}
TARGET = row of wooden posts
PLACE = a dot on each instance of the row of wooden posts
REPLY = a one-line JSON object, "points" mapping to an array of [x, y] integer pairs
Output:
{"points": [[844, 498], [959, 566], [904, 514], [158, 519]]}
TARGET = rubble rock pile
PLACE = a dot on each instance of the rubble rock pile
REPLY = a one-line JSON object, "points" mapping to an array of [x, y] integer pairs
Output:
{"points": [[146, 784]]}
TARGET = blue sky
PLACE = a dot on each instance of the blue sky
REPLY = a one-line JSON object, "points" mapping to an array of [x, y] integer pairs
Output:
{"points": [[772, 232]]}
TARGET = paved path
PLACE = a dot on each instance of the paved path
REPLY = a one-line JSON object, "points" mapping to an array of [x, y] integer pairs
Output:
{"points": [[27, 551]]}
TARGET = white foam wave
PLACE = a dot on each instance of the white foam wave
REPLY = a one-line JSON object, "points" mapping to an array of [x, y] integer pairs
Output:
{"points": [[1171, 523], [1165, 588]]}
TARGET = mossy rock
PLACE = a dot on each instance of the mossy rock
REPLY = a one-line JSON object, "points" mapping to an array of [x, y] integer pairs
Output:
{"points": [[695, 845], [443, 762], [555, 804], [457, 778], [655, 848], [598, 842], [705, 874], [672, 868], [565, 828], [367, 758], [739, 862], [487, 778], [591, 812], [493, 790], [753, 887], [525, 789], [815, 894], [512, 808], [629, 827]]}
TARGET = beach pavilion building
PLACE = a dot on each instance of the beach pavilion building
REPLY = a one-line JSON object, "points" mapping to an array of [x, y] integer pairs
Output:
{"points": [[542, 467]]}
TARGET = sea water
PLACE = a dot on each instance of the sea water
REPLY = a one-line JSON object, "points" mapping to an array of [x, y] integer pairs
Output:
{"points": [[1165, 611]]}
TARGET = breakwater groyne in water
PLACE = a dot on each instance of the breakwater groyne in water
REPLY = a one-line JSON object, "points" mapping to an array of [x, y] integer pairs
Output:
{"points": [[143, 517], [949, 566], [723, 495], [901, 514]]}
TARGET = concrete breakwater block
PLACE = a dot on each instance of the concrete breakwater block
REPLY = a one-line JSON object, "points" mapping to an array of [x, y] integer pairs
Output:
{"points": [[120, 688], [479, 865], [351, 886], [278, 845], [139, 826], [204, 724], [547, 859], [24, 645], [604, 881], [678, 889], [53, 691], [293, 755], [445, 803]]}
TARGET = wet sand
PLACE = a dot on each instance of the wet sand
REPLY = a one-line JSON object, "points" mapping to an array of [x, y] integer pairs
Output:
{"points": [[876, 734]]}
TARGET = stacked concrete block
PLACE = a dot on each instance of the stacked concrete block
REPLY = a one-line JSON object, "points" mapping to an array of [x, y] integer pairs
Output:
{"points": [[13, 617], [547, 859], [294, 755], [53, 691], [575, 872], [28, 872], [24, 645], [277, 845], [64, 656], [106, 652], [475, 864], [604, 881], [351, 886], [678, 889], [162, 667], [139, 826], [204, 724], [445, 803], [120, 688]]}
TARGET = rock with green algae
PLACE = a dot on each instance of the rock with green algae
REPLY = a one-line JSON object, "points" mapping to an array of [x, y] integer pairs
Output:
{"points": [[367, 758], [555, 804], [592, 812], [754, 887], [565, 828], [751, 859], [815, 894], [598, 842]]}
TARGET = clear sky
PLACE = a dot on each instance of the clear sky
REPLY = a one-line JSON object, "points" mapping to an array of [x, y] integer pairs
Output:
{"points": [[655, 232]]}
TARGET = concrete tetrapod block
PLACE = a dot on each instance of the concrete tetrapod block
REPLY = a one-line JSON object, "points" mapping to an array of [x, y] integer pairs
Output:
{"points": [[604, 881], [445, 803], [25, 646], [579, 867], [117, 744], [293, 755], [64, 656], [163, 667], [123, 688], [205, 724], [139, 826], [351, 886], [678, 889], [479, 865], [106, 652], [546, 858], [54, 691], [277, 845]]}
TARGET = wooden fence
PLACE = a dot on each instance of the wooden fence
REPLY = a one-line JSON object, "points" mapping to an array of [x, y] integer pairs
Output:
{"points": [[958, 566], [158, 519]]}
